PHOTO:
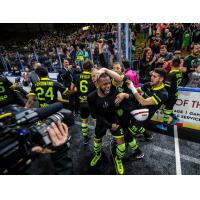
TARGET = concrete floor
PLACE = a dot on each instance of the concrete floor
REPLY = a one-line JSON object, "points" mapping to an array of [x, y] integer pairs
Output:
{"points": [[160, 156]]}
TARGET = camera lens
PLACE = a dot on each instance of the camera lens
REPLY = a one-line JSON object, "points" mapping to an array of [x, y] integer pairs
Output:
{"points": [[54, 118]]}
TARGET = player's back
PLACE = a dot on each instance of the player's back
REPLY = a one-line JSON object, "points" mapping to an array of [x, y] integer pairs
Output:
{"points": [[173, 81], [46, 91], [6, 94], [84, 85]]}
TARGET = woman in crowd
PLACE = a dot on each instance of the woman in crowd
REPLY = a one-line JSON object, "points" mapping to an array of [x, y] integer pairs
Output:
{"points": [[147, 64]]}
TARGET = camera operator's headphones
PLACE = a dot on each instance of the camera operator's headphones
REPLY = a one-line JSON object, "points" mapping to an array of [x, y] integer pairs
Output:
{"points": [[195, 63]]}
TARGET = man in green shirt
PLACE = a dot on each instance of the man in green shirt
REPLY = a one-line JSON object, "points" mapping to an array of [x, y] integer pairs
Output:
{"points": [[195, 53]]}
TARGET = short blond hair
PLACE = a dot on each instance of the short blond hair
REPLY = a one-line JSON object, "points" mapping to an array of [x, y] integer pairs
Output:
{"points": [[36, 65]]}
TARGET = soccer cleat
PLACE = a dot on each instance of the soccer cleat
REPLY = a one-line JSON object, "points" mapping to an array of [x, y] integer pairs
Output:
{"points": [[119, 166], [85, 140], [138, 154], [174, 121], [147, 136], [162, 127], [139, 135], [95, 160]]}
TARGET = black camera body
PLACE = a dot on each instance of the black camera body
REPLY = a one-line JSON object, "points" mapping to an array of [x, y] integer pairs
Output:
{"points": [[21, 129]]}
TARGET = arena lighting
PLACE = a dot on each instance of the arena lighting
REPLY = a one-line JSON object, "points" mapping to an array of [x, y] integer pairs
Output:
{"points": [[85, 28]]}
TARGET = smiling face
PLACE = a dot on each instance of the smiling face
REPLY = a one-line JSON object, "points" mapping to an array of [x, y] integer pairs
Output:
{"points": [[149, 54], [104, 85]]}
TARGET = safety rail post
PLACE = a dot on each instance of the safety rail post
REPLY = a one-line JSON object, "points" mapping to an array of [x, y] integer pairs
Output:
{"points": [[126, 40], [119, 52], [22, 66], [4, 64], [59, 57], [36, 56]]}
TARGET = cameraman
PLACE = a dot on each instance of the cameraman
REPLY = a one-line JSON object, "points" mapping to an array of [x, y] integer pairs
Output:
{"points": [[62, 164]]}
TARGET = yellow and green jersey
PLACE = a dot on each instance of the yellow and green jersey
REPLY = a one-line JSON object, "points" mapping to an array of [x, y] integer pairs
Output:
{"points": [[84, 85], [46, 91], [173, 81], [6, 93]]}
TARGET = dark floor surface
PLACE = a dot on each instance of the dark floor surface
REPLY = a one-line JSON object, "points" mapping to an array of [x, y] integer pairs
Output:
{"points": [[159, 156]]}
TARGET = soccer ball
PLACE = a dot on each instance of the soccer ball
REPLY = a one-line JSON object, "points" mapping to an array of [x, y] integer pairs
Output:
{"points": [[140, 114]]}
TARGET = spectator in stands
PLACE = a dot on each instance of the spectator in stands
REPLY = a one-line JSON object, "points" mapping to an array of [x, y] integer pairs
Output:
{"points": [[147, 64], [194, 77], [73, 54], [26, 81], [16, 71], [160, 27], [195, 52], [192, 27], [131, 74], [85, 54], [133, 38], [33, 76], [168, 65], [79, 56], [178, 35], [155, 43], [169, 42], [45, 44], [163, 56], [145, 30], [65, 75], [187, 35], [196, 35], [164, 32]]}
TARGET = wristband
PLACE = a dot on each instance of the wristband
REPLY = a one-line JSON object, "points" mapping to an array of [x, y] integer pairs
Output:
{"points": [[132, 88]]}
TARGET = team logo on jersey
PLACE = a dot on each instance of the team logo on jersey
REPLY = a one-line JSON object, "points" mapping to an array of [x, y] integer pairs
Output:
{"points": [[120, 89], [105, 105], [120, 112]]}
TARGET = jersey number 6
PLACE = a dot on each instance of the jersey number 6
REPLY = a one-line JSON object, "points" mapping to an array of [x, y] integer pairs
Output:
{"points": [[83, 86]]}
